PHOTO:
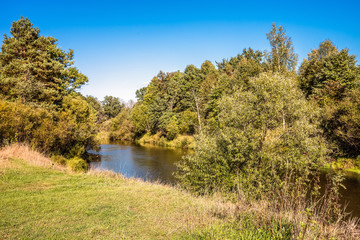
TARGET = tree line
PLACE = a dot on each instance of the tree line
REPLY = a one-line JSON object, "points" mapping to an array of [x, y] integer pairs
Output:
{"points": [[188, 102], [36, 75]]}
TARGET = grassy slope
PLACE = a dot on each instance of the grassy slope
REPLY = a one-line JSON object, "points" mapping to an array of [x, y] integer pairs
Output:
{"points": [[37, 202]]}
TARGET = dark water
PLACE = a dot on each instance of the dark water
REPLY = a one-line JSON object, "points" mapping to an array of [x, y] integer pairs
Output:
{"points": [[351, 195], [150, 163]]}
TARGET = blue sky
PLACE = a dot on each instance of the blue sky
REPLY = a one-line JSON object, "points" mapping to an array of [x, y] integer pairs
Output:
{"points": [[121, 45]]}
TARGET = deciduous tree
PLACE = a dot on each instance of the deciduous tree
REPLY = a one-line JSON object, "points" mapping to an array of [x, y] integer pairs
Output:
{"points": [[282, 56], [267, 138], [112, 106]]}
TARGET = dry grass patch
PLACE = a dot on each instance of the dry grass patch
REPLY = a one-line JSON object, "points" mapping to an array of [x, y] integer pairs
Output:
{"points": [[24, 152]]}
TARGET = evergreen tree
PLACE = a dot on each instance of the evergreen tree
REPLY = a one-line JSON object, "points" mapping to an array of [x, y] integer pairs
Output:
{"points": [[34, 69]]}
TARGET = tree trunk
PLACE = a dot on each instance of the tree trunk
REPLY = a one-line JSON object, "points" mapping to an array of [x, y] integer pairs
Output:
{"points": [[283, 118], [197, 109], [261, 146]]}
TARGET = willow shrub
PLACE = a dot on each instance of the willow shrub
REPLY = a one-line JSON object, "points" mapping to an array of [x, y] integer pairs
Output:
{"points": [[121, 127], [266, 143]]}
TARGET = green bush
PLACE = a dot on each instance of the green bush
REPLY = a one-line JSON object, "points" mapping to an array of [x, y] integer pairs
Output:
{"points": [[187, 122], [267, 134], [121, 128], [183, 141], [172, 128], [77, 150], [156, 139], [77, 164], [67, 131], [59, 159]]}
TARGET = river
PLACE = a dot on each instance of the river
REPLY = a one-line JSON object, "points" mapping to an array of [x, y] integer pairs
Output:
{"points": [[155, 163], [148, 163]]}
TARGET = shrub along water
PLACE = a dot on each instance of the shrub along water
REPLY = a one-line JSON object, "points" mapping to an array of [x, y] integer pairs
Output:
{"points": [[267, 147], [66, 132], [266, 136]]}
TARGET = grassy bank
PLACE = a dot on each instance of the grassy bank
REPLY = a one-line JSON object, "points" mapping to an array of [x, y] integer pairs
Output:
{"points": [[38, 201], [42, 200], [180, 141], [345, 164]]}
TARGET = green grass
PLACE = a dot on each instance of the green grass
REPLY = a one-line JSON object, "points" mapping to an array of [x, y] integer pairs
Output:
{"points": [[44, 203], [36, 202], [242, 230], [40, 200]]}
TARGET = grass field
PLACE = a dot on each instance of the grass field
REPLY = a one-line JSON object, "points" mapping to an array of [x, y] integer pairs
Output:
{"points": [[38, 202]]}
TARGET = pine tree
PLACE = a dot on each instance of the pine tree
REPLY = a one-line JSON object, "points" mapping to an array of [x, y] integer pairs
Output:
{"points": [[33, 68]]}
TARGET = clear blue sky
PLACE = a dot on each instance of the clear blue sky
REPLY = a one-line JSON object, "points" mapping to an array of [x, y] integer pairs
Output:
{"points": [[121, 45]]}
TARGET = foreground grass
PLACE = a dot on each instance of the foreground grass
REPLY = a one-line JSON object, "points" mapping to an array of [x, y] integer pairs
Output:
{"points": [[36, 202]]}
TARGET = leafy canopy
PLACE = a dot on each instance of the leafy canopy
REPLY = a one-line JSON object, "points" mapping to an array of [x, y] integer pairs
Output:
{"points": [[328, 73], [267, 135], [282, 56]]}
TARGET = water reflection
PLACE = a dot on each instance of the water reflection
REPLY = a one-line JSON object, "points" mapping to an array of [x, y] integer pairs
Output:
{"points": [[351, 195], [148, 163]]}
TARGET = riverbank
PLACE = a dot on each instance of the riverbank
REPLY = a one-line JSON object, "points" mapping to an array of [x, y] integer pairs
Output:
{"points": [[42, 200], [180, 141], [351, 165]]}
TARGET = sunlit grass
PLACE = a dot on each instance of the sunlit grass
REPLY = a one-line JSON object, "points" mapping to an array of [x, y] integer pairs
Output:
{"points": [[44, 203], [42, 200]]}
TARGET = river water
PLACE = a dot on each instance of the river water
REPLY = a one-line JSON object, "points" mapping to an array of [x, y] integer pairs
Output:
{"points": [[154, 163], [148, 163]]}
